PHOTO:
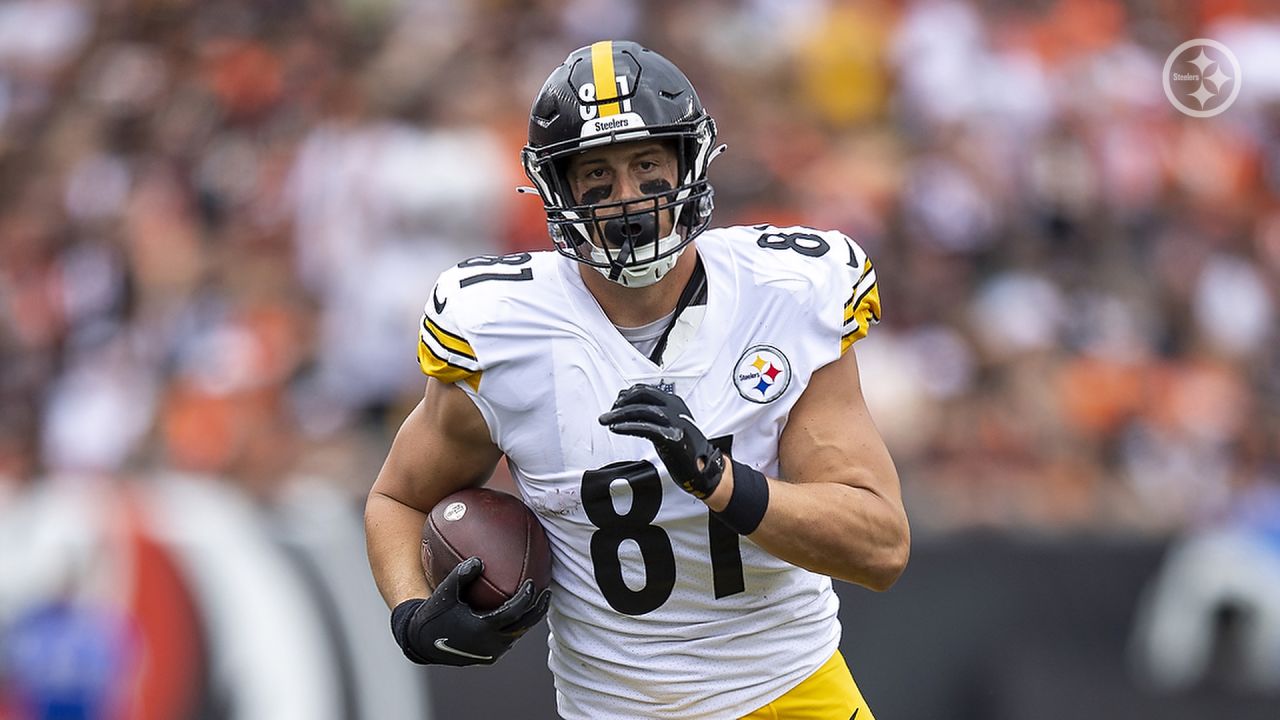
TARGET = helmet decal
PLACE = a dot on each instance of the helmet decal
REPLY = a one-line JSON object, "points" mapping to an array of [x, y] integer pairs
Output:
{"points": [[600, 126]]}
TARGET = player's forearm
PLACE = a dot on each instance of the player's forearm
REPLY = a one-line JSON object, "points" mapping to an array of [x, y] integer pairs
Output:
{"points": [[393, 538], [442, 446], [837, 529], [849, 533]]}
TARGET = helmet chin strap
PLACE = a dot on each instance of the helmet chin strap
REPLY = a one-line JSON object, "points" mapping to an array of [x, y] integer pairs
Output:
{"points": [[620, 262], [644, 274]]}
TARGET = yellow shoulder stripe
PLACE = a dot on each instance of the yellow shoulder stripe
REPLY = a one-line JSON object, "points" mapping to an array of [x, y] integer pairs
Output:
{"points": [[440, 369], [866, 312], [853, 304], [454, 343]]}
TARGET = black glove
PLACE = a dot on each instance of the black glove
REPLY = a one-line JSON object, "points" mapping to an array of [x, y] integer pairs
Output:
{"points": [[663, 419], [444, 630]]}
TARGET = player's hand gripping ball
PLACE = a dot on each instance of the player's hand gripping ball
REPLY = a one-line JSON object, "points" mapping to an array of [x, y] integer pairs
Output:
{"points": [[497, 528], [482, 604]]}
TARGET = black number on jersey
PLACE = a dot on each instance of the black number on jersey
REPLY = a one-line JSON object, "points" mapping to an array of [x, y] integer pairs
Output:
{"points": [[656, 552], [635, 525], [803, 243], [490, 261]]}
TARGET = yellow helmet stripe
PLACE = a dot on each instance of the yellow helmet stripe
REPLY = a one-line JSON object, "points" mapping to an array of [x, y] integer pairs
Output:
{"points": [[606, 79]]}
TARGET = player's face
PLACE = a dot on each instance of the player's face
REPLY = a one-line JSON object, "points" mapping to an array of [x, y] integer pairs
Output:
{"points": [[627, 171]]}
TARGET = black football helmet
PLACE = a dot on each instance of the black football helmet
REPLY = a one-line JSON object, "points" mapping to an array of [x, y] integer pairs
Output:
{"points": [[616, 92]]}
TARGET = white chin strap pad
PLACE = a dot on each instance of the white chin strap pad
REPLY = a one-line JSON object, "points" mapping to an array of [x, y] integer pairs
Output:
{"points": [[645, 274]]}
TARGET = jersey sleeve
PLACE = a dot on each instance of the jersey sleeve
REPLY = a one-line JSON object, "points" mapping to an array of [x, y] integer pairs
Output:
{"points": [[842, 298], [444, 350], [856, 281]]}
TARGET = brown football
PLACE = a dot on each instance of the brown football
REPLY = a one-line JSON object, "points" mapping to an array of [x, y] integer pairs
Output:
{"points": [[494, 526]]}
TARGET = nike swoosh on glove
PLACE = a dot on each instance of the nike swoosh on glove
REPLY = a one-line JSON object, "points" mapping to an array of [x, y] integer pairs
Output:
{"points": [[444, 630]]}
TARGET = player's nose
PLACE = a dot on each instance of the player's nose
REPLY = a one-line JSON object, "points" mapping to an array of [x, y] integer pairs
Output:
{"points": [[625, 192], [628, 189]]}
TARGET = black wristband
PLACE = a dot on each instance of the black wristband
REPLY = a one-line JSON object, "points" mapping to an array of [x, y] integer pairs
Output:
{"points": [[400, 618], [749, 501]]}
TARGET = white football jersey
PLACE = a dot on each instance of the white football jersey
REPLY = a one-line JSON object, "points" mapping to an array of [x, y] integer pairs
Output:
{"points": [[658, 609]]}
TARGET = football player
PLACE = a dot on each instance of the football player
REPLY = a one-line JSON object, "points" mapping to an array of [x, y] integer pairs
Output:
{"points": [[680, 405]]}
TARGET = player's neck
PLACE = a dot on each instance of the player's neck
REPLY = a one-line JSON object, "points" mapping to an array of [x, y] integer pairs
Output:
{"points": [[633, 307]]}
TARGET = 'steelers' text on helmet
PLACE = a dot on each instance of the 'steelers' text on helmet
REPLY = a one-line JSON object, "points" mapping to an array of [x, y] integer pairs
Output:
{"points": [[615, 92]]}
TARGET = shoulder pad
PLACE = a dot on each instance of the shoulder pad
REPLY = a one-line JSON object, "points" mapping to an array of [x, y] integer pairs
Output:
{"points": [[827, 262], [466, 297]]}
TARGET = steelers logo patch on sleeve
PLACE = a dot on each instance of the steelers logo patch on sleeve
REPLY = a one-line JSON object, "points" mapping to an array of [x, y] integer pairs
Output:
{"points": [[762, 374]]}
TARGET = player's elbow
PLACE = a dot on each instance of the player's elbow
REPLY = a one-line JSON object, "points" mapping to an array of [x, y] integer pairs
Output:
{"points": [[379, 507], [890, 560]]}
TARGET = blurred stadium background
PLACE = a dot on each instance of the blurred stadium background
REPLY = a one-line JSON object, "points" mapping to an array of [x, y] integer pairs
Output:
{"points": [[219, 220]]}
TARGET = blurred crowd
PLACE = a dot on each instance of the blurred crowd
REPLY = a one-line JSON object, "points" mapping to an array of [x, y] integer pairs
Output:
{"points": [[219, 221]]}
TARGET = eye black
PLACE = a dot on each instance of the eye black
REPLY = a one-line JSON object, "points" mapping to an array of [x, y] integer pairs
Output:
{"points": [[653, 187], [596, 194]]}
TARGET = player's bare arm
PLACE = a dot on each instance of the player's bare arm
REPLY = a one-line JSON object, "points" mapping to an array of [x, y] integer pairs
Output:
{"points": [[442, 446], [837, 509]]}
